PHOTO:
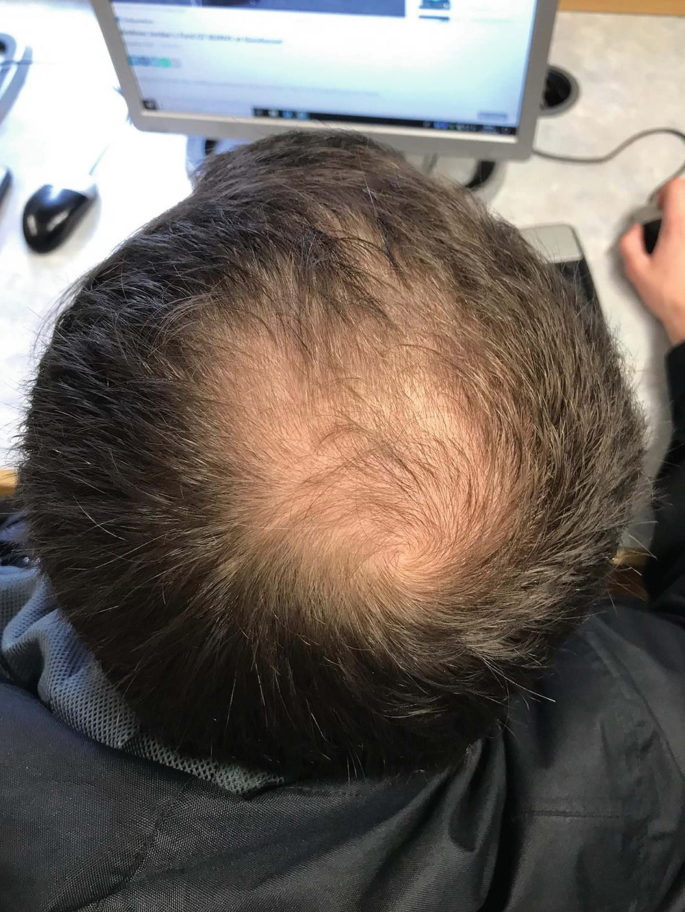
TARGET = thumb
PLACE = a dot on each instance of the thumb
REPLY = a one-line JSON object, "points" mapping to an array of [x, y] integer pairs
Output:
{"points": [[672, 202], [636, 260]]}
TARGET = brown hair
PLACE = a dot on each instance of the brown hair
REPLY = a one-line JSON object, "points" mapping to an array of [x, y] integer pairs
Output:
{"points": [[324, 462]]}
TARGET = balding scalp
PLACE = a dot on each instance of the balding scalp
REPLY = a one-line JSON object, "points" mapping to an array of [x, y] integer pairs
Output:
{"points": [[325, 462]]}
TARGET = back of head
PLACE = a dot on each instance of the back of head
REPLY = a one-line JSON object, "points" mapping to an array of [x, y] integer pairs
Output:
{"points": [[324, 462]]}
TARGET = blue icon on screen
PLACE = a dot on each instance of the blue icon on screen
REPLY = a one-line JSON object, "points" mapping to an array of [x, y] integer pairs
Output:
{"points": [[164, 63]]}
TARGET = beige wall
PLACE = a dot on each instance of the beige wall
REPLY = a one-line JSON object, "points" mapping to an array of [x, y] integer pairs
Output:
{"points": [[657, 7], [7, 482]]}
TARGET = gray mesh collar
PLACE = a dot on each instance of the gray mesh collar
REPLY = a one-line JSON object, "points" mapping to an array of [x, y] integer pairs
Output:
{"points": [[42, 652]]}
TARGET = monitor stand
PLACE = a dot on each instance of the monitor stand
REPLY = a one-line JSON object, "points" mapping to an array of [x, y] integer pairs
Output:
{"points": [[482, 178]]}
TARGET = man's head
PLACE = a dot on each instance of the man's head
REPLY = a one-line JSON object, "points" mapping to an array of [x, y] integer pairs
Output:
{"points": [[324, 462]]}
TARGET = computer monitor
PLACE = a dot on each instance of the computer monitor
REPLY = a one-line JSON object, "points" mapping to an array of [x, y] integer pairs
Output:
{"points": [[447, 77]]}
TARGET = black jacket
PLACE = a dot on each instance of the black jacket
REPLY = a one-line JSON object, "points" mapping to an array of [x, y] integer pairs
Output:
{"points": [[578, 804]]}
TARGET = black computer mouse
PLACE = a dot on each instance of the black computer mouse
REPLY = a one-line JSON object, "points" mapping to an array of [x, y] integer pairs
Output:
{"points": [[649, 217], [53, 211], [650, 232]]}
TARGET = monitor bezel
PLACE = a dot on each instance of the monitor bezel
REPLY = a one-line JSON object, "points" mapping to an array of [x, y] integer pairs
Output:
{"points": [[408, 140]]}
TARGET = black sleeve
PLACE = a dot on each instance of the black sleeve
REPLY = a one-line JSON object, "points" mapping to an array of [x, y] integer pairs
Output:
{"points": [[664, 574]]}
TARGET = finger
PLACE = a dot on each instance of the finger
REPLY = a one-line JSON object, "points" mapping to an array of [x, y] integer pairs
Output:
{"points": [[636, 260], [672, 202]]}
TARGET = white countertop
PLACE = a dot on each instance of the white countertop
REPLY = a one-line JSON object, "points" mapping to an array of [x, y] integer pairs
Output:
{"points": [[627, 67]]}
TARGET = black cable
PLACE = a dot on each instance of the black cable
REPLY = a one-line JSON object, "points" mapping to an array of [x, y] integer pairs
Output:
{"points": [[608, 156], [97, 161], [106, 148]]}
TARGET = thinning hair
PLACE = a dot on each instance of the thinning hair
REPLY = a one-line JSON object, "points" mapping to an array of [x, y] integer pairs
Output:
{"points": [[324, 462]]}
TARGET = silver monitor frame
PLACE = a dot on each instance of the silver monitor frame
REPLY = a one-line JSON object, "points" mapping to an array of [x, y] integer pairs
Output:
{"points": [[406, 139]]}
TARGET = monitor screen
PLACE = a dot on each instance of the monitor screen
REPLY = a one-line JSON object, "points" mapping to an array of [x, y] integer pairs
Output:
{"points": [[455, 65]]}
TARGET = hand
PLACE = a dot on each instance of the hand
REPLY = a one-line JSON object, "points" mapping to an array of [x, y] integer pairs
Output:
{"points": [[659, 279]]}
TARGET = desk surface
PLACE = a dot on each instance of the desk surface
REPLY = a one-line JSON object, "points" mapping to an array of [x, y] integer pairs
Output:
{"points": [[67, 112]]}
